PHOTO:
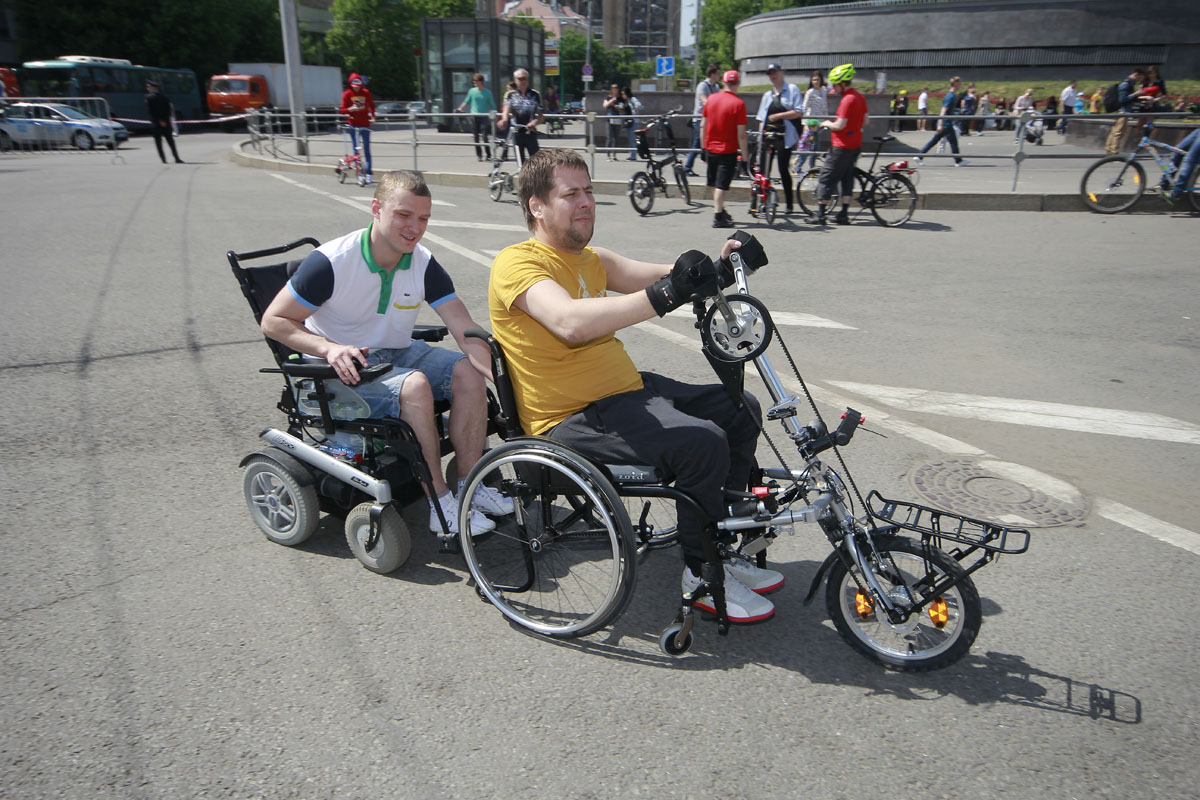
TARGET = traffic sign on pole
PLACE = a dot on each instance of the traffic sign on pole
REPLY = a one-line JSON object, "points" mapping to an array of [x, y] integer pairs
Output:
{"points": [[664, 66]]}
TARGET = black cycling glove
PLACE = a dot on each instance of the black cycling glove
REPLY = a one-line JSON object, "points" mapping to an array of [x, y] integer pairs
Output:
{"points": [[693, 273], [752, 253]]}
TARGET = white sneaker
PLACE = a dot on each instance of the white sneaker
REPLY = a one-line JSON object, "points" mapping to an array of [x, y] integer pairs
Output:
{"points": [[478, 522], [741, 604], [488, 500], [759, 581], [920, 160], [962, 163]]}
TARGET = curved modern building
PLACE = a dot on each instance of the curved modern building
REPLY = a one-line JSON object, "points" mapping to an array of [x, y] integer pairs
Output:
{"points": [[1007, 40]]}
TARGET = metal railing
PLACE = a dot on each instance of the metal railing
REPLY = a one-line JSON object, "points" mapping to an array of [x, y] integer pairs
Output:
{"points": [[270, 132]]}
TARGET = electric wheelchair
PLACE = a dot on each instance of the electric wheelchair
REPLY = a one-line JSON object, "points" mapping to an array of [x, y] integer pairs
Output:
{"points": [[333, 458]]}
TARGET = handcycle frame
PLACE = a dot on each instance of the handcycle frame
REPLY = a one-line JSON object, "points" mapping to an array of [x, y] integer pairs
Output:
{"points": [[500, 180], [643, 186], [871, 597], [1097, 197], [877, 191]]}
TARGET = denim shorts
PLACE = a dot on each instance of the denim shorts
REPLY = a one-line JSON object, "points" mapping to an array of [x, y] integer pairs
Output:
{"points": [[383, 394]]}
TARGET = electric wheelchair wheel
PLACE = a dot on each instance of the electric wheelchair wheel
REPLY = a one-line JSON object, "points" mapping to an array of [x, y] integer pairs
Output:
{"points": [[562, 564], [283, 508], [394, 545]]}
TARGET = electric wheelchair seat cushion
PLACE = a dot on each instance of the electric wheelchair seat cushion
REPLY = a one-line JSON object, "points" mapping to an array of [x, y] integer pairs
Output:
{"points": [[332, 458]]}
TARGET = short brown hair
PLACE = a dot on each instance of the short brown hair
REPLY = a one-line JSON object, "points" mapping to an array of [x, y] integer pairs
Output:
{"points": [[537, 176], [478, 76], [401, 179]]}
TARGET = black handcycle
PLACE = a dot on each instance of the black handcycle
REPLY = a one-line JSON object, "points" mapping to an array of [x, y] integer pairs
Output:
{"points": [[889, 193], [643, 185], [565, 563]]}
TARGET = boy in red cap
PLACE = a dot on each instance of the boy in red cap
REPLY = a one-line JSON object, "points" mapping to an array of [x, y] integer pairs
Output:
{"points": [[359, 107]]}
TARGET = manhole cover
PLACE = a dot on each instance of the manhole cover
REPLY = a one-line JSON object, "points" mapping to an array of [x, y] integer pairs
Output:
{"points": [[998, 491]]}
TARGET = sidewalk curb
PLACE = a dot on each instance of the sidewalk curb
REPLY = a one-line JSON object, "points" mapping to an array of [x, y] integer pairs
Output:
{"points": [[934, 201]]}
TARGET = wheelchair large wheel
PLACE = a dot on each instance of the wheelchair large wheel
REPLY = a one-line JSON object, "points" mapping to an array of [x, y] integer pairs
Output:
{"points": [[283, 508], [394, 545], [562, 564]]}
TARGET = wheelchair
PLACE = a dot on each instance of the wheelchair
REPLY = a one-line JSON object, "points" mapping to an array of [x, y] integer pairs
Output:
{"points": [[333, 458], [564, 564]]}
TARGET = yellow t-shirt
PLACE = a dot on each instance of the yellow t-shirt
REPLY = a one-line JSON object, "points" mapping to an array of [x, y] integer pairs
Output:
{"points": [[552, 378]]}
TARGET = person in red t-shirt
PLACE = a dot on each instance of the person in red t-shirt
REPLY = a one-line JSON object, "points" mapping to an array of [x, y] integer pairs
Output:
{"points": [[847, 131], [359, 107], [723, 134]]}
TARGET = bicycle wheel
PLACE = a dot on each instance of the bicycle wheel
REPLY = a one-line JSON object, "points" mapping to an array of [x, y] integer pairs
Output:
{"points": [[341, 173], [641, 193], [1112, 184], [562, 564], [496, 185], [806, 192], [933, 637], [892, 200], [681, 182], [771, 206], [1193, 191]]}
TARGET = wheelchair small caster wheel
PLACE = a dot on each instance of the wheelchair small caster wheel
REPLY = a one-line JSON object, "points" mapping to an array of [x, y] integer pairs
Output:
{"points": [[668, 645]]}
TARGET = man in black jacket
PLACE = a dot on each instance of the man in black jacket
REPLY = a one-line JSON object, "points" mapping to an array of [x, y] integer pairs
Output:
{"points": [[159, 108]]}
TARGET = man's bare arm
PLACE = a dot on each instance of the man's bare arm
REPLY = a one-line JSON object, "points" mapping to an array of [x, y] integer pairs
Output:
{"points": [[283, 321]]}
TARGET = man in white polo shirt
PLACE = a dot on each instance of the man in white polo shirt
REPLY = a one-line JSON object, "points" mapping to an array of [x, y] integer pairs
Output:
{"points": [[353, 302]]}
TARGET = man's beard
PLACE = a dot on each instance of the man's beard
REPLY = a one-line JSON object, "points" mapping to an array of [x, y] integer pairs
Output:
{"points": [[572, 237]]}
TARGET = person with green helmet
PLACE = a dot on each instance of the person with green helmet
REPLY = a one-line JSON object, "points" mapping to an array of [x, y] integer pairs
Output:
{"points": [[847, 135]]}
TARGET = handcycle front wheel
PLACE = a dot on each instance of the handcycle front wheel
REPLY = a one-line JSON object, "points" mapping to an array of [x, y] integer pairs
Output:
{"points": [[641, 193], [930, 638], [681, 181], [892, 199], [562, 564], [1112, 185]]}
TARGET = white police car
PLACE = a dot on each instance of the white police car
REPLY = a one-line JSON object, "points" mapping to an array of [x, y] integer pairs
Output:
{"points": [[39, 125]]}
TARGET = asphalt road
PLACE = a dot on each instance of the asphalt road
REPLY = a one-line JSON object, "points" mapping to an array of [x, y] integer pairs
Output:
{"points": [[156, 645]]}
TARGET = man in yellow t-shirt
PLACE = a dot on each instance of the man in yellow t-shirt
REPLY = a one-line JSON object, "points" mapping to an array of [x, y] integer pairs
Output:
{"points": [[573, 381]]}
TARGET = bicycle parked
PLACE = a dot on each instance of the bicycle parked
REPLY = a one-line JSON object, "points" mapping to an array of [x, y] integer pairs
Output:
{"points": [[763, 197], [499, 179], [1113, 184], [642, 186], [890, 193]]}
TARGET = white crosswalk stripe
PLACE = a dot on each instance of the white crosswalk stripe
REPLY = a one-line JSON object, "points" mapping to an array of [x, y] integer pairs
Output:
{"points": [[1086, 419]]}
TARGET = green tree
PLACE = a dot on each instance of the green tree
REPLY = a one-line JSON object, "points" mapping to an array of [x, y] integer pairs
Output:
{"points": [[379, 38], [201, 35], [608, 65], [719, 19]]}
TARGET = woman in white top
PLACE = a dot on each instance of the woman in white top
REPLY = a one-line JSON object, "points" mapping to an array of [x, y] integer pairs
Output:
{"points": [[1024, 103], [816, 104]]}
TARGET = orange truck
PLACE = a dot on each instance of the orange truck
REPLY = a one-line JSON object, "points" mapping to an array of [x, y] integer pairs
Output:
{"points": [[248, 86]]}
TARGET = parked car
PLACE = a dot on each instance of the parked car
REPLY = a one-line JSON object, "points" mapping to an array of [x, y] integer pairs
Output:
{"points": [[56, 125]]}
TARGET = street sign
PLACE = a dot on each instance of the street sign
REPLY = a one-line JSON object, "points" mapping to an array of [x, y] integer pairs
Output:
{"points": [[587, 69], [664, 66], [550, 56]]}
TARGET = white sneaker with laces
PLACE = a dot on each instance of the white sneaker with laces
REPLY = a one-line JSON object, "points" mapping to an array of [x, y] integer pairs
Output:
{"points": [[742, 605], [962, 163], [759, 581], [488, 500], [478, 522]]}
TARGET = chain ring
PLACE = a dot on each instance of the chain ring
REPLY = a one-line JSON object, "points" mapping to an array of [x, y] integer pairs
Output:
{"points": [[745, 338]]}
